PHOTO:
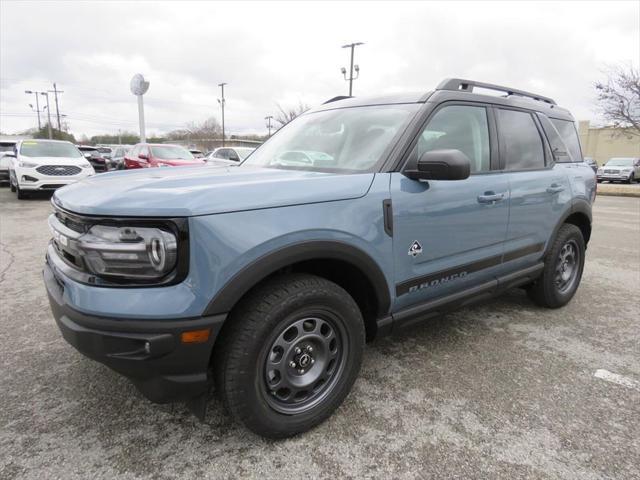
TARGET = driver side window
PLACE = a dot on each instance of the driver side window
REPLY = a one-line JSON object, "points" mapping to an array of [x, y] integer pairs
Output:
{"points": [[459, 127]]}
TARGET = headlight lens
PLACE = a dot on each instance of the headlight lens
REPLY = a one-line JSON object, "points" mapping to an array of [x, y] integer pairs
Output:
{"points": [[137, 253], [85, 165], [27, 164]]}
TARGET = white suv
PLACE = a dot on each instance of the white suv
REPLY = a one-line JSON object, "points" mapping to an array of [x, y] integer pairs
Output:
{"points": [[38, 165]]}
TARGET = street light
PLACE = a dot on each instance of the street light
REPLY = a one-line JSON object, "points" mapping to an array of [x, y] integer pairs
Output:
{"points": [[29, 92], [221, 102], [351, 78], [268, 118], [48, 114]]}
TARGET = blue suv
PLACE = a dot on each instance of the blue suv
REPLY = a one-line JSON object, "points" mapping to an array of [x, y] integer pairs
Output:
{"points": [[358, 218]]}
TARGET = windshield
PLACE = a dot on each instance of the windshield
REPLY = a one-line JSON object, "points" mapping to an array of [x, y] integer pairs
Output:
{"points": [[244, 152], [620, 162], [49, 149], [171, 152], [6, 147], [347, 139]]}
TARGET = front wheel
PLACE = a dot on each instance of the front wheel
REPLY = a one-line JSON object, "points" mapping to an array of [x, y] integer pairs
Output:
{"points": [[290, 355], [563, 266], [20, 193]]}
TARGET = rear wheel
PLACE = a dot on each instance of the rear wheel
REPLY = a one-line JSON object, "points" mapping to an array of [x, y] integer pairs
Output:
{"points": [[290, 356], [563, 266]]}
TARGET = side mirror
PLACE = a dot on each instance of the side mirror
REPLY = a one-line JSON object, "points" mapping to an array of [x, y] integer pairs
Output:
{"points": [[234, 157], [143, 156], [440, 165], [87, 155]]}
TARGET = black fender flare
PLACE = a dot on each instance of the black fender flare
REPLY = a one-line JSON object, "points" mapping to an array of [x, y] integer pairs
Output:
{"points": [[577, 206], [259, 269]]}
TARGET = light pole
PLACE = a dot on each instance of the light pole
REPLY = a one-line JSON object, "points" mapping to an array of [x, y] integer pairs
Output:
{"points": [[221, 102], [139, 87], [268, 118], [351, 78], [48, 114], [29, 92], [55, 91]]}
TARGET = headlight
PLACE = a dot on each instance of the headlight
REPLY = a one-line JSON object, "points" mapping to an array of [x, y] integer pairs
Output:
{"points": [[26, 164], [136, 253], [627, 170], [85, 165]]}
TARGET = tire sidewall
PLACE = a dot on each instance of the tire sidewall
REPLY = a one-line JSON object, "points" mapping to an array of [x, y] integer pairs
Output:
{"points": [[251, 371], [567, 233]]}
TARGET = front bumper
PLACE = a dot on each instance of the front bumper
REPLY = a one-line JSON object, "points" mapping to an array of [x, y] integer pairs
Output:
{"points": [[30, 179], [615, 177], [148, 352]]}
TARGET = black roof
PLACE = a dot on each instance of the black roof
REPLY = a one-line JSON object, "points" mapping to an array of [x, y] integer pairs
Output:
{"points": [[459, 89]]}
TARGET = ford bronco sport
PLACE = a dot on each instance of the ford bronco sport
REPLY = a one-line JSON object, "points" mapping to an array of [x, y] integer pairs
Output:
{"points": [[357, 218]]}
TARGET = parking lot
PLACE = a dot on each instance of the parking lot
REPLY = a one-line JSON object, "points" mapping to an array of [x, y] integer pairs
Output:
{"points": [[501, 390]]}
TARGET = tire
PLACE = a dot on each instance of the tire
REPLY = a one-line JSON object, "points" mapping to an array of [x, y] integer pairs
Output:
{"points": [[631, 179], [257, 355], [556, 285], [21, 193], [12, 186]]}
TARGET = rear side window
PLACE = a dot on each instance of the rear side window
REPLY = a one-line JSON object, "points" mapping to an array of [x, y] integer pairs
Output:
{"points": [[521, 144], [567, 131], [459, 127], [558, 147]]}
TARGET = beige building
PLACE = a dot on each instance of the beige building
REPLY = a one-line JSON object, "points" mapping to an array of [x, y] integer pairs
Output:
{"points": [[603, 143]]}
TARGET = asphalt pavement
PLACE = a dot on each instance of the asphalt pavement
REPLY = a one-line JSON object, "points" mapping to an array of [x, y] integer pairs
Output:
{"points": [[501, 390]]}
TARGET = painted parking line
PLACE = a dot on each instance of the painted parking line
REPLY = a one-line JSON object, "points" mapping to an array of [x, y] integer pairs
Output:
{"points": [[617, 379]]}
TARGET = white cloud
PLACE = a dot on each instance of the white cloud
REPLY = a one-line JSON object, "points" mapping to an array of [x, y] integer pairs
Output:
{"points": [[285, 52]]}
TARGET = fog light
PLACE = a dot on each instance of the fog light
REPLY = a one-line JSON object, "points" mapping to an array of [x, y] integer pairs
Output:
{"points": [[27, 178], [195, 336]]}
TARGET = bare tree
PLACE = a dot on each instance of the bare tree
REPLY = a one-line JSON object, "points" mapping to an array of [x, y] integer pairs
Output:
{"points": [[285, 114], [208, 129], [619, 98]]}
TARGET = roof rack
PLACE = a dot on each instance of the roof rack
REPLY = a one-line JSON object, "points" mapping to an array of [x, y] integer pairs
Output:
{"points": [[460, 85], [335, 99]]}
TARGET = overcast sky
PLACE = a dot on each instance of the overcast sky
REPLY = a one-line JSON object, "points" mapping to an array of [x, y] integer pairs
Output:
{"points": [[284, 53]]}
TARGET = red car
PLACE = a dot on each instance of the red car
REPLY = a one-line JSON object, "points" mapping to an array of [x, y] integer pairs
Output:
{"points": [[145, 155]]}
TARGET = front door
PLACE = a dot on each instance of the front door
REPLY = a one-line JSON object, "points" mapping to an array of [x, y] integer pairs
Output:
{"points": [[449, 235]]}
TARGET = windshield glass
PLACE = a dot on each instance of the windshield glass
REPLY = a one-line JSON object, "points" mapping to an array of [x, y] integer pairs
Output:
{"points": [[244, 152], [6, 146], [49, 149], [171, 152], [347, 139], [620, 162]]}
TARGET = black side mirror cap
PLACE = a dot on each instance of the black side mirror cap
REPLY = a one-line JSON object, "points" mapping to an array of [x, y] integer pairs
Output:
{"points": [[446, 164]]}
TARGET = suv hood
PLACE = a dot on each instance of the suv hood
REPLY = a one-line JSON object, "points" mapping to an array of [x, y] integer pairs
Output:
{"points": [[189, 191], [54, 160]]}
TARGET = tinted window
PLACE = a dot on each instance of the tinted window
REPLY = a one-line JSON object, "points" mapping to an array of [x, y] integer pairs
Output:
{"points": [[521, 142], [568, 133], [222, 153], [459, 127], [558, 147]]}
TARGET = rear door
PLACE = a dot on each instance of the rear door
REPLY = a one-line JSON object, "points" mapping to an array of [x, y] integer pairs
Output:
{"points": [[540, 190], [449, 235]]}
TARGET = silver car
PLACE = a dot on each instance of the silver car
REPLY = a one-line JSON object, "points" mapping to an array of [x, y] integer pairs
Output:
{"points": [[620, 169]]}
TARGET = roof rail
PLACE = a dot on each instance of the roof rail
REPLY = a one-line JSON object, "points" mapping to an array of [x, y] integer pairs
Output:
{"points": [[460, 85], [335, 99]]}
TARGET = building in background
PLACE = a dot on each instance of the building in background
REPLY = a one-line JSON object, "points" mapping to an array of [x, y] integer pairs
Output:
{"points": [[603, 143]]}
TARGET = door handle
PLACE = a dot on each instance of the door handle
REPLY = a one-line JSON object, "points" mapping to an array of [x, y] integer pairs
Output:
{"points": [[490, 197], [555, 188]]}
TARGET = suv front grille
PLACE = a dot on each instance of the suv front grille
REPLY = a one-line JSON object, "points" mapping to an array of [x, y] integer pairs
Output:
{"points": [[58, 170], [612, 171]]}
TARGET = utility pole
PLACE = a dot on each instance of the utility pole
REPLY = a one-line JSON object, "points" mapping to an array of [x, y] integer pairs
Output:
{"points": [[55, 91], [48, 114], [268, 118], [221, 102], [351, 78], [29, 92], [119, 137]]}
